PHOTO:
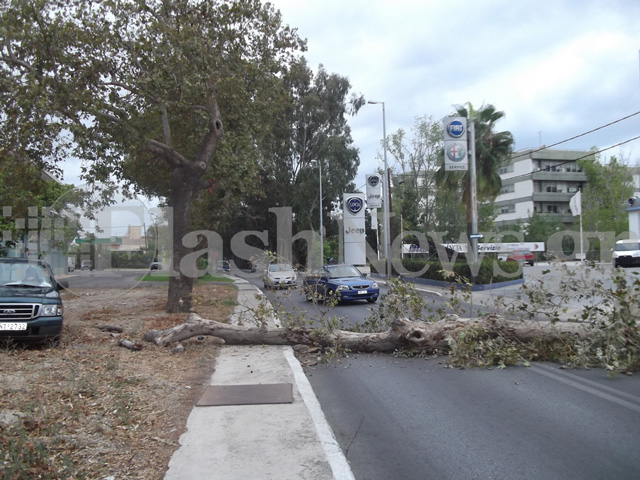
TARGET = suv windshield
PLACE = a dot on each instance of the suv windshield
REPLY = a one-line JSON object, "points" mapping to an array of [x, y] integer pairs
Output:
{"points": [[627, 247], [24, 273]]}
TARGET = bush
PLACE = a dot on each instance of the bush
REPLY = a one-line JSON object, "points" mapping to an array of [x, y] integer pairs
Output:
{"points": [[131, 259], [488, 273]]}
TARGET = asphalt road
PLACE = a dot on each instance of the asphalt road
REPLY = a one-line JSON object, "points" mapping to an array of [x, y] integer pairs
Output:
{"points": [[413, 418], [104, 278]]}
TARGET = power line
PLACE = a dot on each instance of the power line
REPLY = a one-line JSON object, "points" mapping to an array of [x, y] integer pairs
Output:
{"points": [[575, 159], [608, 148], [582, 135]]}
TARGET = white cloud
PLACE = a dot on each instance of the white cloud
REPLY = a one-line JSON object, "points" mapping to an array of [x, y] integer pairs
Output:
{"points": [[556, 68]]}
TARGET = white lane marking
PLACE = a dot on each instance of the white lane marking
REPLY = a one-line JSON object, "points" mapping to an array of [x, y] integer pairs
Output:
{"points": [[338, 462], [574, 382], [335, 456]]}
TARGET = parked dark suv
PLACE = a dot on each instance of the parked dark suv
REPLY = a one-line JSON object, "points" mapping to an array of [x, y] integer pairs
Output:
{"points": [[30, 303]]}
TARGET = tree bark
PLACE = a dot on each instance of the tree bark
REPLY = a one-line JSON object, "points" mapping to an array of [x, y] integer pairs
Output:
{"points": [[180, 282], [186, 181], [402, 334]]}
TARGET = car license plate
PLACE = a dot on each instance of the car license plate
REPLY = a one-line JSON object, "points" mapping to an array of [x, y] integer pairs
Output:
{"points": [[13, 326], [362, 292]]}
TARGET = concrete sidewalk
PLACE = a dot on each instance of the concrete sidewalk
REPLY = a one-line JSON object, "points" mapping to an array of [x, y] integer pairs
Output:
{"points": [[270, 441]]}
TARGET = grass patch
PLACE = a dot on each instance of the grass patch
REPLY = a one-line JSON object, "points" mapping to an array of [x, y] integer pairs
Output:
{"points": [[165, 278]]}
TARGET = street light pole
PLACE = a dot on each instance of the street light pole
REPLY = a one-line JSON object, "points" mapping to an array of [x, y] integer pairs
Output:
{"points": [[321, 227], [473, 242], [385, 192], [320, 208]]}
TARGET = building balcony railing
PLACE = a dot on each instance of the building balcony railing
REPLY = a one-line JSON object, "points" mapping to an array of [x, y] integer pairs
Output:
{"points": [[552, 197], [543, 175]]}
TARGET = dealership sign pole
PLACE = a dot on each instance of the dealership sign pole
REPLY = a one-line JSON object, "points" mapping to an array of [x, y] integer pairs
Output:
{"points": [[455, 144], [459, 155], [354, 228], [473, 190]]}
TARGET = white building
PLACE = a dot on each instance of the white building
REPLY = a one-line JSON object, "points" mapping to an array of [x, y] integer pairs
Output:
{"points": [[541, 181]]}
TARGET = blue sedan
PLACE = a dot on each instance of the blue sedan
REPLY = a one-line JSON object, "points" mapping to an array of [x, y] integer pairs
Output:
{"points": [[339, 282]]}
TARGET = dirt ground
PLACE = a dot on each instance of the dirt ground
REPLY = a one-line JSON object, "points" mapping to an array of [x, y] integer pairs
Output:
{"points": [[92, 409]]}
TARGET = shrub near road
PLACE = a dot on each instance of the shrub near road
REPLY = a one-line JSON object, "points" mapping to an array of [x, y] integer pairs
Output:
{"points": [[91, 408]]}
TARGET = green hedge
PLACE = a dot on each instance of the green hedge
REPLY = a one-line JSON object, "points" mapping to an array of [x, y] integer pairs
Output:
{"points": [[132, 259], [488, 273]]}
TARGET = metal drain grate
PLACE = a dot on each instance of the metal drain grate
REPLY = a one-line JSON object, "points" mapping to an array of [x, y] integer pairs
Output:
{"points": [[218, 395]]}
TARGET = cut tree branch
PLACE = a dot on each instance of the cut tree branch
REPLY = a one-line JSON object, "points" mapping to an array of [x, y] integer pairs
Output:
{"points": [[402, 334]]}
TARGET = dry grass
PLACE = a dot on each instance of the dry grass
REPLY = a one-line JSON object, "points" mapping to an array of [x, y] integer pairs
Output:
{"points": [[89, 408]]}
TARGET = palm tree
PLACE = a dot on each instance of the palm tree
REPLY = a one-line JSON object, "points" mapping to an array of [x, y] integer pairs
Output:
{"points": [[493, 149]]}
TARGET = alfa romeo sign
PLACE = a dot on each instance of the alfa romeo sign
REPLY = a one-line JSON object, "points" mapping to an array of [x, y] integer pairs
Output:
{"points": [[456, 151]]}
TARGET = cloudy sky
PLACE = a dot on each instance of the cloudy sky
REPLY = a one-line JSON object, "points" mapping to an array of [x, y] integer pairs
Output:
{"points": [[556, 68]]}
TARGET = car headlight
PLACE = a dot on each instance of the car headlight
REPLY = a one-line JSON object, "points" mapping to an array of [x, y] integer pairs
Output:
{"points": [[342, 287], [51, 311], [374, 285]]}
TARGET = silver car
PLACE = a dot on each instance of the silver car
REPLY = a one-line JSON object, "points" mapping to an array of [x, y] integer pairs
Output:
{"points": [[280, 275]]}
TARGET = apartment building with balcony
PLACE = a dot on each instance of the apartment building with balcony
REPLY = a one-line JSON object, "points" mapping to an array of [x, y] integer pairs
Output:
{"points": [[541, 181]]}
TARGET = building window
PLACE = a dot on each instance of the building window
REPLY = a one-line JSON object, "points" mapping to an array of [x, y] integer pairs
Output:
{"points": [[506, 169], [552, 188], [552, 209], [508, 209], [508, 188]]}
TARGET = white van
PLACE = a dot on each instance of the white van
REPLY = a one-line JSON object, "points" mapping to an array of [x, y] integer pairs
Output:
{"points": [[626, 253]]}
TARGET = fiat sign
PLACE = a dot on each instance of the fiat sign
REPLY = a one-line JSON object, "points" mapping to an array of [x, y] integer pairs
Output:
{"points": [[455, 129]]}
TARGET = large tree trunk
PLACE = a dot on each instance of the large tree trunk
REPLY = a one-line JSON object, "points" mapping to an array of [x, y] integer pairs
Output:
{"points": [[180, 281], [186, 180], [402, 334]]}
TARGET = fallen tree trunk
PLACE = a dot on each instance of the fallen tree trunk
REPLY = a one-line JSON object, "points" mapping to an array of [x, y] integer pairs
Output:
{"points": [[402, 334]]}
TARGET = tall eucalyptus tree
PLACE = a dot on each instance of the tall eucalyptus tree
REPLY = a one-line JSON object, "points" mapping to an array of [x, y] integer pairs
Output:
{"points": [[139, 90]]}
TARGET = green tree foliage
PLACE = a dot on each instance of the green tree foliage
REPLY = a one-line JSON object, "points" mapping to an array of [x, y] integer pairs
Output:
{"points": [[139, 89], [605, 195], [317, 134], [23, 184], [541, 226], [416, 162], [308, 127]]}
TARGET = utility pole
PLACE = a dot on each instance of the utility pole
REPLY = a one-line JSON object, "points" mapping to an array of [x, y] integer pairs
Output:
{"points": [[386, 193], [473, 191]]}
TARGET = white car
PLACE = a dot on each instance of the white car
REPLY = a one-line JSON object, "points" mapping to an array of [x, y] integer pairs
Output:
{"points": [[280, 275], [626, 253]]}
